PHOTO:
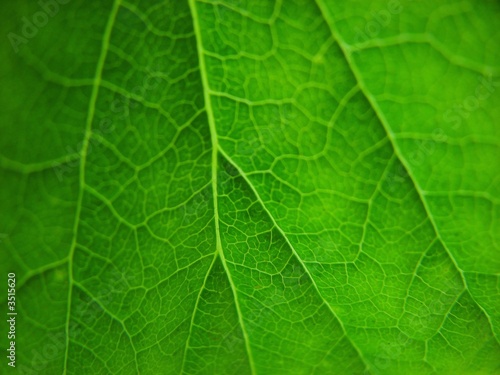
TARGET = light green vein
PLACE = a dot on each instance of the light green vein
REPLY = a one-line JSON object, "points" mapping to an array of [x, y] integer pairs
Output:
{"points": [[215, 147], [424, 39], [299, 259], [193, 315], [83, 159], [388, 129], [36, 167]]}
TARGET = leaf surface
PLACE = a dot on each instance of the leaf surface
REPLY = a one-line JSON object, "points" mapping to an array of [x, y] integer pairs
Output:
{"points": [[237, 187]]}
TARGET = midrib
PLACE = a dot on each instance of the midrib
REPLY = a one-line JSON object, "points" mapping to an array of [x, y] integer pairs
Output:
{"points": [[215, 155]]}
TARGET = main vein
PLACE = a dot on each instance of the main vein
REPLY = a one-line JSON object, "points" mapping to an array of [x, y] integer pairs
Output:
{"points": [[83, 160], [215, 150]]}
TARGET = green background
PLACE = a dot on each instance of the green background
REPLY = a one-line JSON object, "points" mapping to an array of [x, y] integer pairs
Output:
{"points": [[251, 187]]}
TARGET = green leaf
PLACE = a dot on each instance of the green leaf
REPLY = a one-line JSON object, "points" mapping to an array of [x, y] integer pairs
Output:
{"points": [[251, 187]]}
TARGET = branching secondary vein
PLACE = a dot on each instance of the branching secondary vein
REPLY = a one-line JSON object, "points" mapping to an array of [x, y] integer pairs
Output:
{"points": [[385, 123], [83, 159], [215, 148]]}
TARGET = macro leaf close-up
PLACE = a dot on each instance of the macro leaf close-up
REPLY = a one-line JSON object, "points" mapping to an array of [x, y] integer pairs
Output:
{"points": [[263, 187]]}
